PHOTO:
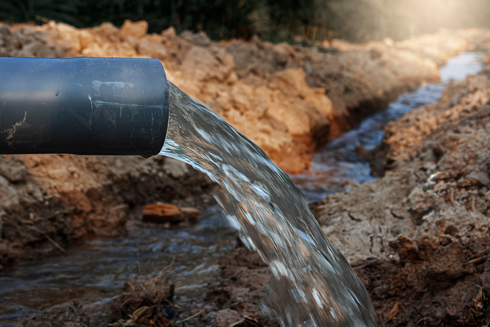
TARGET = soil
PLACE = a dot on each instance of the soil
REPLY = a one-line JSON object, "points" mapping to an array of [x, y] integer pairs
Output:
{"points": [[50, 201], [418, 237]]}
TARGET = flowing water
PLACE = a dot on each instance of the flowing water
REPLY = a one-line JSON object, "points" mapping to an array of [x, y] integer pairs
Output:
{"points": [[95, 272], [338, 166], [313, 284]]}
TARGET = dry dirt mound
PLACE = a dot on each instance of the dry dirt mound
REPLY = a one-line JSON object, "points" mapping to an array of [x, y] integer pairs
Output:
{"points": [[287, 99]]}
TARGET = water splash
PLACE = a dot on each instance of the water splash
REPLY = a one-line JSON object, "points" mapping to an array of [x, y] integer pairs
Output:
{"points": [[313, 284]]}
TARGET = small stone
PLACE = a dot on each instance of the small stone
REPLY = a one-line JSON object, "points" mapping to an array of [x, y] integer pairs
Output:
{"points": [[440, 175], [468, 182], [162, 213], [13, 170], [480, 176], [407, 249]]}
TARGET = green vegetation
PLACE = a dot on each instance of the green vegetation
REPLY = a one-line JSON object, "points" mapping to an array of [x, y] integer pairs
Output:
{"points": [[277, 20]]}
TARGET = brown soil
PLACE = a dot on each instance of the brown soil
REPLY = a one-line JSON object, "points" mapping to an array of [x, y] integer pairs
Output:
{"points": [[419, 236], [49, 201]]}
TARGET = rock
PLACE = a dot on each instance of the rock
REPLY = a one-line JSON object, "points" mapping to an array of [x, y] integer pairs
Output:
{"points": [[162, 213], [446, 265], [480, 178], [134, 29]]}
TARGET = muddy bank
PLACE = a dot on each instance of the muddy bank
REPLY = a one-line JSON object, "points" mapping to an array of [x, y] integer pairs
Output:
{"points": [[436, 170], [440, 282], [49, 201], [418, 236]]}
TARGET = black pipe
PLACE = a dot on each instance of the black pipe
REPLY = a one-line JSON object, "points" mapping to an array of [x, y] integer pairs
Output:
{"points": [[87, 106]]}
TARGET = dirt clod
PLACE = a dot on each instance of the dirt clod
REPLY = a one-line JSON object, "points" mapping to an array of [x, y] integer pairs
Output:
{"points": [[162, 213]]}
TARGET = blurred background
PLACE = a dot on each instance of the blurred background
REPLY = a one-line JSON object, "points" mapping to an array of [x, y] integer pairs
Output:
{"points": [[273, 20]]}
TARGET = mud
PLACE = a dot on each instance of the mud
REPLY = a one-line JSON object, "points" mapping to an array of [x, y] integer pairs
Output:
{"points": [[70, 314], [437, 282], [50, 201], [418, 237]]}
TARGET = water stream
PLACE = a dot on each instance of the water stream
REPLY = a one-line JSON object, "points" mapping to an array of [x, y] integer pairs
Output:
{"points": [[262, 204], [314, 285], [337, 166]]}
